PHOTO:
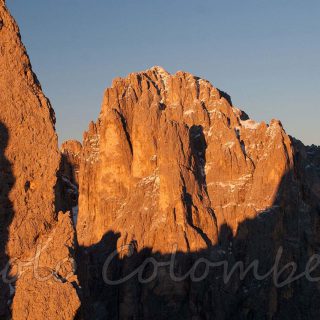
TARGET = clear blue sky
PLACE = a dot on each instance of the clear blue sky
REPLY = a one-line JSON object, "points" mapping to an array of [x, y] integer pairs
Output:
{"points": [[265, 54]]}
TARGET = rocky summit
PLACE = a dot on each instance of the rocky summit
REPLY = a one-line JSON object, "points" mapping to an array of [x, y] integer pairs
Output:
{"points": [[176, 205], [172, 167]]}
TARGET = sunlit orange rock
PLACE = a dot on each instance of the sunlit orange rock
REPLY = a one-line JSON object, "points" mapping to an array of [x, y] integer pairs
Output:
{"points": [[170, 152], [171, 164], [29, 161], [170, 174]]}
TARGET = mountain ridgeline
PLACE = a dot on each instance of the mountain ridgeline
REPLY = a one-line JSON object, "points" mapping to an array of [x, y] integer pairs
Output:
{"points": [[169, 186]]}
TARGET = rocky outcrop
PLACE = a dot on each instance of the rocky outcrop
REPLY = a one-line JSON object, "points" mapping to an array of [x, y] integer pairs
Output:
{"points": [[171, 166], [36, 242]]}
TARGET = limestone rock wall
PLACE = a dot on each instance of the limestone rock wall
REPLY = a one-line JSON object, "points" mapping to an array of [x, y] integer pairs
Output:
{"points": [[29, 161], [171, 163], [177, 139]]}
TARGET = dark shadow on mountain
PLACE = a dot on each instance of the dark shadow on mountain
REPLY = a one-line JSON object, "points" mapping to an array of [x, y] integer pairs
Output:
{"points": [[7, 181], [225, 95], [291, 224], [66, 188], [243, 115], [198, 147]]}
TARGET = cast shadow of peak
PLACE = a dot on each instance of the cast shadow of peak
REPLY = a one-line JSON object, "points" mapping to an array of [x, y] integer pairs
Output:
{"points": [[243, 115], [7, 181], [225, 95], [283, 225]]}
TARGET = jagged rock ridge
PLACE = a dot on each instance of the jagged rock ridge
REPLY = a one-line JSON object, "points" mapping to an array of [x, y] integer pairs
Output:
{"points": [[170, 162], [178, 130]]}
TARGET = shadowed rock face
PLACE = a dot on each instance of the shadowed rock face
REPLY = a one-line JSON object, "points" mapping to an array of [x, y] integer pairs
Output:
{"points": [[171, 163], [67, 189], [29, 161], [71, 158]]}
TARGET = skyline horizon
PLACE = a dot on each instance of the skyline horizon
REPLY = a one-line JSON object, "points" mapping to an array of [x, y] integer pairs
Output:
{"points": [[173, 73], [265, 61]]}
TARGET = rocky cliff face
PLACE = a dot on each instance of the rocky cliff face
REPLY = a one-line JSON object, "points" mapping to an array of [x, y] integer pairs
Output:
{"points": [[35, 240], [172, 166], [182, 132], [173, 180]]}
